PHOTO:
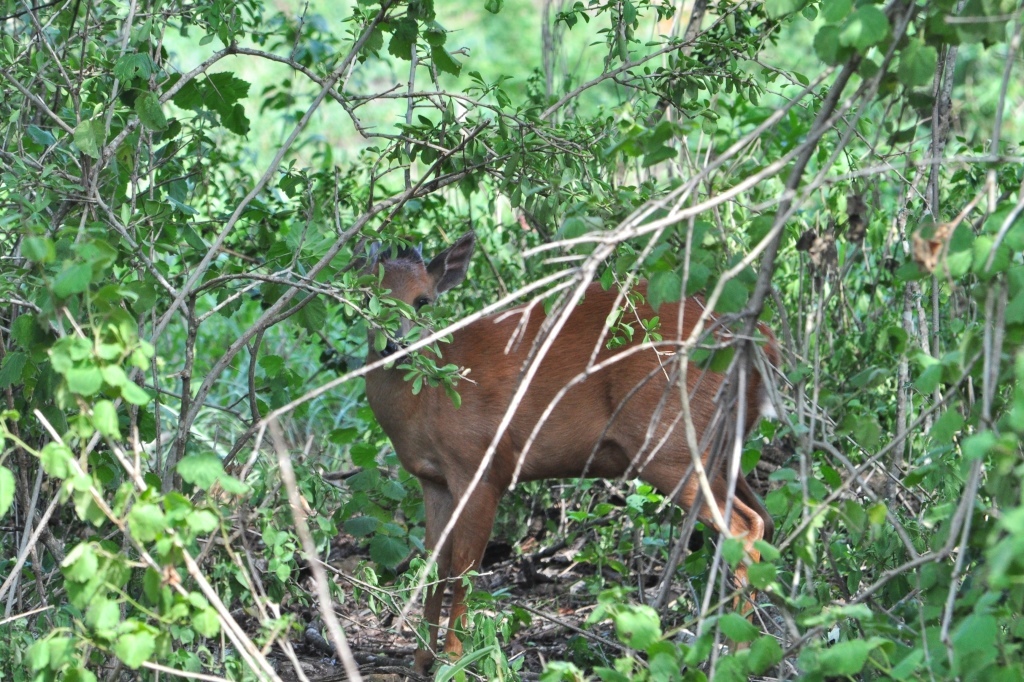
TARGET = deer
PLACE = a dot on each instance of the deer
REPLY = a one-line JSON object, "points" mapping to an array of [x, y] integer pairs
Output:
{"points": [[620, 420]]}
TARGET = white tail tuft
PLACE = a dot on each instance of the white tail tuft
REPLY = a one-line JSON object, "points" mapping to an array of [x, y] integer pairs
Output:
{"points": [[765, 405]]}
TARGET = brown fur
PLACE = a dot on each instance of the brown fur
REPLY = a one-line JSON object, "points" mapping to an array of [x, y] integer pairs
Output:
{"points": [[616, 422]]}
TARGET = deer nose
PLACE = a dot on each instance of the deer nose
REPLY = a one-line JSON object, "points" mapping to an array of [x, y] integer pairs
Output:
{"points": [[390, 348]]}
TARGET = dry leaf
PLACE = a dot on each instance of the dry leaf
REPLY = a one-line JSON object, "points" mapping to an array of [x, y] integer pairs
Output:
{"points": [[857, 218], [806, 240], [823, 251], [928, 249]]}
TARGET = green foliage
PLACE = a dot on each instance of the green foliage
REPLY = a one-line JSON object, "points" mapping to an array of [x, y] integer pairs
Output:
{"points": [[185, 197]]}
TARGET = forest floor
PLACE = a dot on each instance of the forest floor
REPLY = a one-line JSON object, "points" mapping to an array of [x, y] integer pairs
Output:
{"points": [[548, 585]]}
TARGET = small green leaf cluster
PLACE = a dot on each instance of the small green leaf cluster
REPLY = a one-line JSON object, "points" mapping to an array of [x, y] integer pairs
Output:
{"points": [[134, 609], [374, 497], [664, 656]]}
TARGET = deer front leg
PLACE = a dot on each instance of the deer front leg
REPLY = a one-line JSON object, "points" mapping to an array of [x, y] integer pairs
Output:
{"points": [[469, 538], [438, 505]]}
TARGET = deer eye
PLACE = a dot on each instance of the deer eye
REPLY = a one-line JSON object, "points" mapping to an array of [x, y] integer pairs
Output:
{"points": [[422, 301]]}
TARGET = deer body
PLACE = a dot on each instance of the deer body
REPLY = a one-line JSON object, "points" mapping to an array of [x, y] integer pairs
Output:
{"points": [[620, 421]]}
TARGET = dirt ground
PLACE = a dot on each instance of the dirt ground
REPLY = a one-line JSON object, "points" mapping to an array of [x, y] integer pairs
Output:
{"points": [[548, 585]]}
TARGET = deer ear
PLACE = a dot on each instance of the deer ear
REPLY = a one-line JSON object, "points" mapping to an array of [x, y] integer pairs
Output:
{"points": [[367, 263], [449, 267]]}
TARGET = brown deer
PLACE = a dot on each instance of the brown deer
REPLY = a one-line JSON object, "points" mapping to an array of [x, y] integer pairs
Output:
{"points": [[621, 420]]}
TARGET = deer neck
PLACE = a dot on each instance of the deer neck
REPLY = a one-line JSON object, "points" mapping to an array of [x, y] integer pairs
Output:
{"points": [[390, 396]]}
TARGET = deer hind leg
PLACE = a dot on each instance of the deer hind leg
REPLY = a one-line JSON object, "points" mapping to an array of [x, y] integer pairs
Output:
{"points": [[748, 506], [746, 522], [469, 540], [438, 505]]}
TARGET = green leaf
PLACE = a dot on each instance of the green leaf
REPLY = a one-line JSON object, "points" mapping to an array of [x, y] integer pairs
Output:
{"points": [[131, 65], [764, 653], [373, 44], [134, 394], [388, 551], [995, 223], [737, 628], [445, 673], [7, 485], [961, 251], [762, 574], [228, 87], [721, 359], [978, 445], [494, 6], [638, 627], [877, 514], [403, 38], [835, 11], [84, 381], [233, 486], [361, 526], [78, 674], [664, 287], [12, 368], [917, 64], [979, 24], [113, 375], [90, 136], [56, 460], [38, 249], [444, 61], [104, 418], [776, 9], [733, 298], [658, 154], [190, 236], [72, 280], [908, 666], [865, 28], [150, 112], [363, 454], [62, 652], [218, 92], [103, 614], [202, 521], [135, 648], [929, 379], [235, 120], [975, 639], [733, 551], [206, 622], [81, 563], [983, 247], [177, 506], [271, 364], [146, 521], [843, 659], [867, 431], [759, 227], [393, 490], [313, 315], [768, 551], [38, 655], [198, 601], [40, 136], [946, 426], [201, 470], [435, 34], [891, 339]]}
